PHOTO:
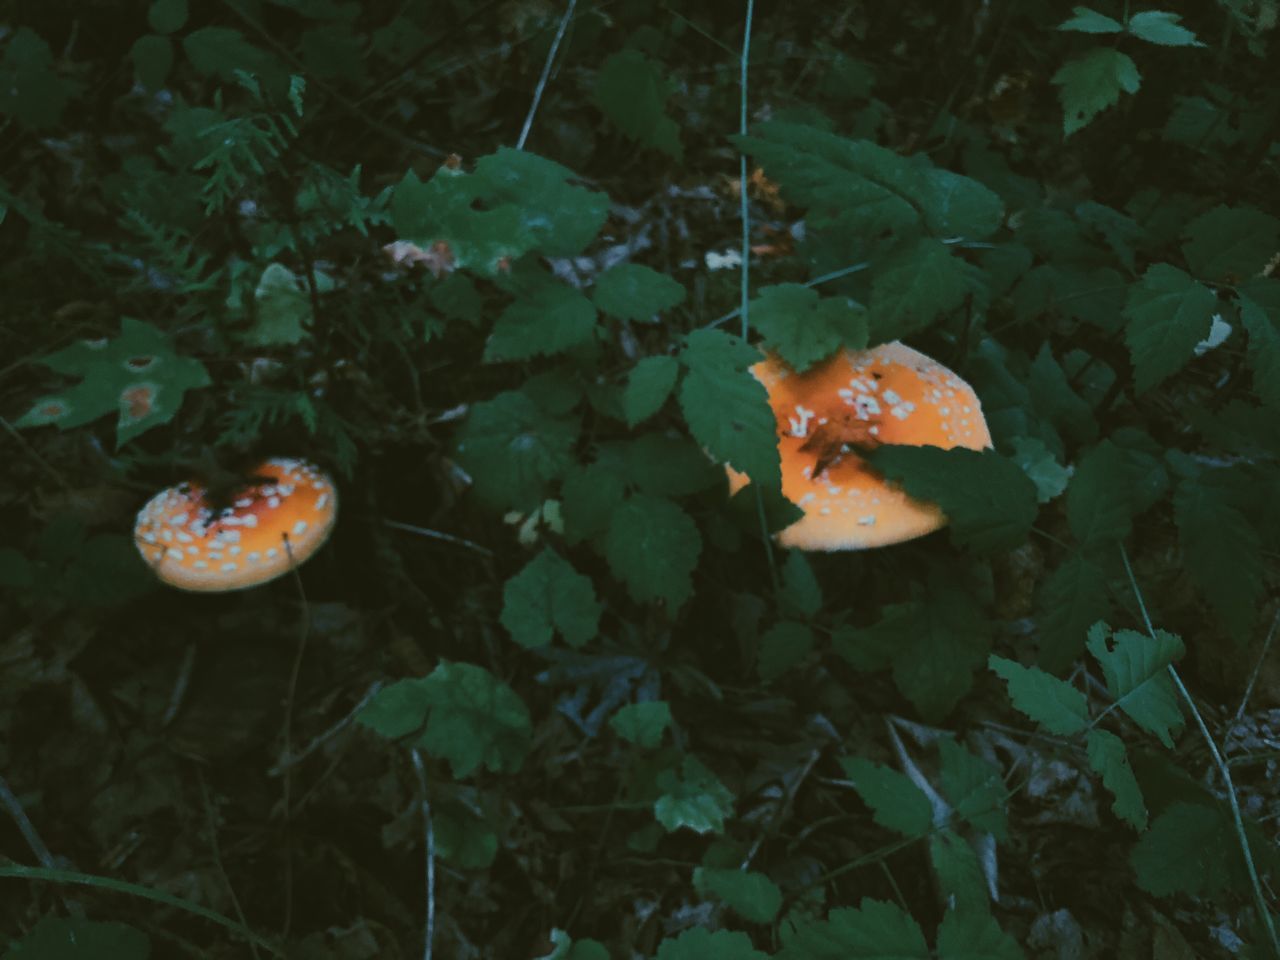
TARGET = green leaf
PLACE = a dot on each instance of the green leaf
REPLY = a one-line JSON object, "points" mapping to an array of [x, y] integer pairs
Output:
{"points": [[137, 374], [71, 938], [283, 307], [804, 328], [648, 386], [860, 187], [1092, 83], [1070, 600], [801, 591], [567, 949], [959, 873], [875, 930], [896, 803], [1108, 758], [632, 92], [1135, 668], [546, 596], [1222, 551], [472, 718], [753, 896], [221, 51], [1168, 313], [588, 499], [1038, 463], [665, 465], [971, 933], [726, 408], [152, 58], [630, 291], [652, 546], [1090, 21], [1099, 509], [974, 787], [1230, 243], [167, 16], [512, 450], [463, 838], [1054, 704], [914, 286], [1190, 848], [1264, 347], [31, 89], [551, 318], [990, 503], [692, 797], [642, 723], [702, 944], [1161, 27], [782, 647]]}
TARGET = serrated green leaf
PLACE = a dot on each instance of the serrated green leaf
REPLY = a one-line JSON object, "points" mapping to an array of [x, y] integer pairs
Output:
{"points": [[167, 16], [1054, 704], [652, 546], [1038, 463], [1264, 347], [782, 646], [1230, 243], [547, 596], [990, 503], [971, 933], [512, 449], [804, 328], [1085, 20], [801, 591], [472, 718], [588, 499], [896, 803], [726, 408], [1168, 313], [703, 944], [751, 895], [1161, 27], [692, 797], [630, 291], [1070, 600], [152, 58], [632, 92], [974, 787], [1092, 83], [914, 286], [1135, 668], [1108, 758], [1057, 401], [874, 930], [1222, 551], [960, 877], [642, 723], [74, 938], [1099, 509], [1190, 848], [648, 386], [551, 318], [137, 374], [664, 465]]}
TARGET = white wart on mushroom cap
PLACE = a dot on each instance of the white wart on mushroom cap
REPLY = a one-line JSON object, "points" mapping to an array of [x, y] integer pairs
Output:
{"points": [[857, 400], [267, 528]]}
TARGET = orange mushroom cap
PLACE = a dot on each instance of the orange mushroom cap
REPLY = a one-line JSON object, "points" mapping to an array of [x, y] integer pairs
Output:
{"points": [[856, 400], [269, 527]]}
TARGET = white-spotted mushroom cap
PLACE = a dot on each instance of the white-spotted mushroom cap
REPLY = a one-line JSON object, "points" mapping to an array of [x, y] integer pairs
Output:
{"points": [[275, 522], [857, 400]]}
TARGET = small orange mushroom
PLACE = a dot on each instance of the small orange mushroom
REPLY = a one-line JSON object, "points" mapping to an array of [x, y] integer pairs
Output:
{"points": [[274, 523], [847, 405]]}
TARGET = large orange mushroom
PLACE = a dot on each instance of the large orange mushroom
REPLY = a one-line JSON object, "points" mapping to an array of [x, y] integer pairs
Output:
{"points": [[281, 516], [849, 404]]}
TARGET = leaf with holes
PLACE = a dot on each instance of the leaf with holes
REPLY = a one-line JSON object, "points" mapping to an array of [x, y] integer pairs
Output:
{"points": [[1136, 670], [1092, 83]]}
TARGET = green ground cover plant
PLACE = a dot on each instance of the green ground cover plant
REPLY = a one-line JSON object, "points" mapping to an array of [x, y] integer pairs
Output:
{"points": [[503, 268]]}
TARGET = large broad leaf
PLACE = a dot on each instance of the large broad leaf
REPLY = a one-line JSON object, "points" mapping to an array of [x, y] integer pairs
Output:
{"points": [[549, 596], [915, 285], [471, 718], [870, 184], [1190, 848], [726, 408], [551, 318], [513, 449], [1230, 243], [137, 375], [1093, 82], [804, 328], [1136, 670], [1069, 601], [1259, 305], [1099, 508], [630, 291], [632, 92], [652, 546], [648, 386], [1168, 313]]}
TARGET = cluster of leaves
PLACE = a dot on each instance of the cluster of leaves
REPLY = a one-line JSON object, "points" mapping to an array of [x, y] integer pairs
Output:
{"points": [[1120, 320]]}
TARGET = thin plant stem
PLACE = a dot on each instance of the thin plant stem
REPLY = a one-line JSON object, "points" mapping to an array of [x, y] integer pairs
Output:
{"points": [[1223, 770], [437, 535], [742, 173], [19, 872], [816, 281], [546, 74], [429, 829]]}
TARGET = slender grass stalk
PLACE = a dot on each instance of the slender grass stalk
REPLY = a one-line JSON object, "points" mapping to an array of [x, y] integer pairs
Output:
{"points": [[1224, 771], [742, 173], [546, 74]]}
